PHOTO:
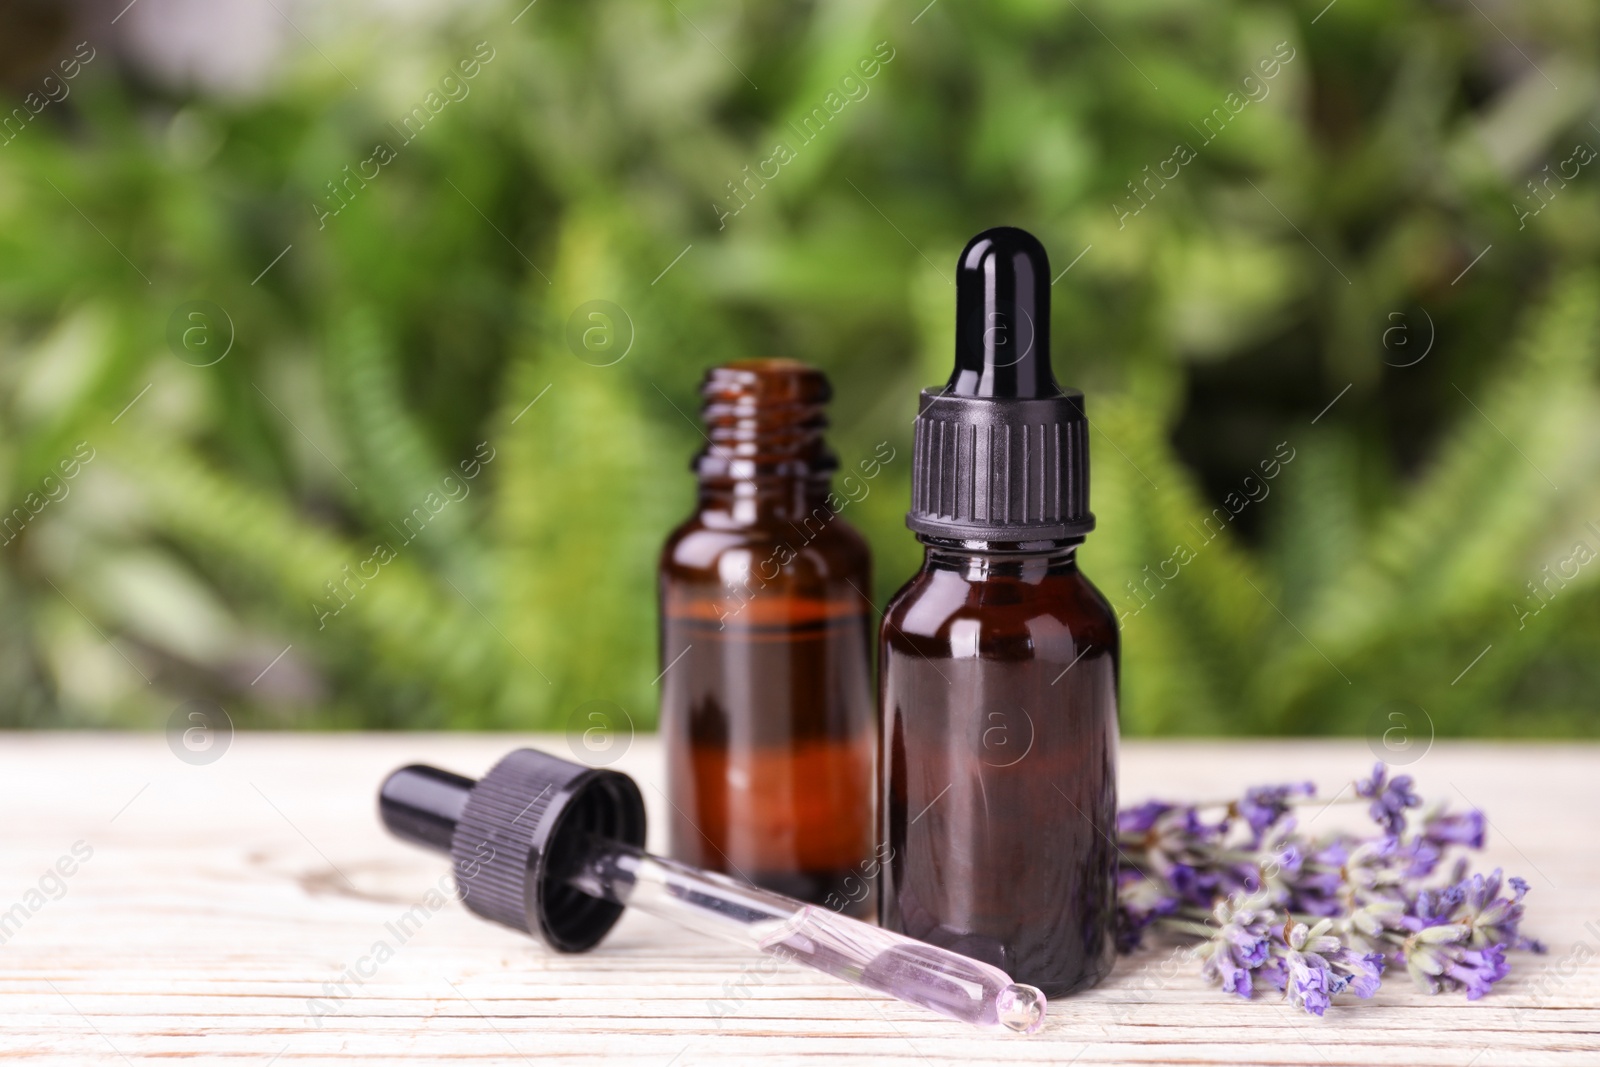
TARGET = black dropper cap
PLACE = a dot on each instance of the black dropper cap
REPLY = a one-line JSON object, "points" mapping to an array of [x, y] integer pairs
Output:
{"points": [[516, 834], [1000, 455]]}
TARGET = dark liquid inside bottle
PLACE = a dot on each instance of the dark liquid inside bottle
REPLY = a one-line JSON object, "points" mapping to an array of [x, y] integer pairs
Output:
{"points": [[767, 711], [1000, 734]]}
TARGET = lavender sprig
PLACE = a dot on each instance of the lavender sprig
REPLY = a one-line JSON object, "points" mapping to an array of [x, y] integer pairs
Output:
{"points": [[1316, 917]]}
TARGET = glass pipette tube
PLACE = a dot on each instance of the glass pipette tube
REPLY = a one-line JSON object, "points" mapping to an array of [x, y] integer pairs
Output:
{"points": [[951, 984], [550, 847]]}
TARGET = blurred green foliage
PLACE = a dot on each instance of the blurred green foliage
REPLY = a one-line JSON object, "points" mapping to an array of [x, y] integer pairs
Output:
{"points": [[1344, 265]]}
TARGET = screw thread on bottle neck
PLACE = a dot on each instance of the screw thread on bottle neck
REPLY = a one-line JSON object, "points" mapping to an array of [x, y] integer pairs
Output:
{"points": [[764, 420]]}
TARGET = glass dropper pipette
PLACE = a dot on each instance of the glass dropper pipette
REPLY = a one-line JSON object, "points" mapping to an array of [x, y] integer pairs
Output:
{"points": [[553, 848], [953, 985]]}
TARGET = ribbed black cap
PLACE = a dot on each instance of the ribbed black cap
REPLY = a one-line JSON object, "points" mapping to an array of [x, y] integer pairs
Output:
{"points": [[516, 834], [1001, 452]]}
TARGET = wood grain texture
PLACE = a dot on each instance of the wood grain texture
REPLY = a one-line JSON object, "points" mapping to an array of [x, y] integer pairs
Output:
{"points": [[222, 903]]}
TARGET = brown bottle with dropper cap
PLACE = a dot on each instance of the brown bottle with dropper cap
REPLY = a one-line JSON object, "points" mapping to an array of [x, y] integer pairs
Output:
{"points": [[999, 659], [767, 710]]}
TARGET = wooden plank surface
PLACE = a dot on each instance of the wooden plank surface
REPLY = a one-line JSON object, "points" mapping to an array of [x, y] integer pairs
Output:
{"points": [[219, 906]]}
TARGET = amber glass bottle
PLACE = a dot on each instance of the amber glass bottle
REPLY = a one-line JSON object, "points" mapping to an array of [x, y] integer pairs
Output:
{"points": [[767, 707], [999, 659]]}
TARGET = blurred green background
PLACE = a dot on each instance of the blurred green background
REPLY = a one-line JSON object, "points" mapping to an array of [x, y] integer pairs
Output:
{"points": [[1362, 235]]}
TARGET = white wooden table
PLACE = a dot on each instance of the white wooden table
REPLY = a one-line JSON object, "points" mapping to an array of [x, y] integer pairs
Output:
{"points": [[221, 904]]}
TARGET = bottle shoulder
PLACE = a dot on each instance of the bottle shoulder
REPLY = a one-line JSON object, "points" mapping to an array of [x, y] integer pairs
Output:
{"points": [[941, 607], [707, 549]]}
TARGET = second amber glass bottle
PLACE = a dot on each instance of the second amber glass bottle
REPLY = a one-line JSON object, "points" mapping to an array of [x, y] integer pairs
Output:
{"points": [[767, 706], [1000, 659]]}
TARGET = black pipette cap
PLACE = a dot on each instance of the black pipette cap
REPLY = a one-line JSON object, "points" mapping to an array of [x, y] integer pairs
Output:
{"points": [[1000, 454], [515, 834]]}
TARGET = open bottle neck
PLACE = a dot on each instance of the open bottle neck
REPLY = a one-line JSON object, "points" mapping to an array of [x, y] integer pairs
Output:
{"points": [[765, 457]]}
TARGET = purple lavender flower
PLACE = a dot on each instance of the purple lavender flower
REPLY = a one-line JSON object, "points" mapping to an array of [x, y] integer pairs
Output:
{"points": [[1240, 944], [1309, 964], [1421, 856], [1377, 868], [1141, 900], [1476, 903], [1194, 885], [1320, 885], [1299, 965], [1444, 828], [1348, 872], [1278, 865], [1264, 805], [1141, 819], [1434, 907], [1497, 919], [1389, 799], [1439, 960], [1363, 971], [1177, 846]]}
